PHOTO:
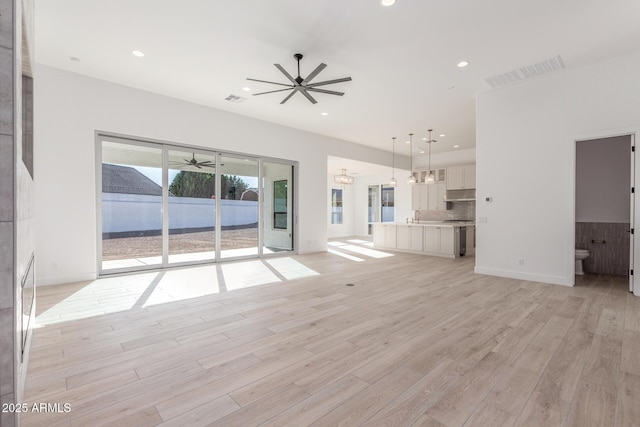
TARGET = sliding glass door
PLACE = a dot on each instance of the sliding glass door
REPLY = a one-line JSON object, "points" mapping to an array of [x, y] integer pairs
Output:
{"points": [[131, 201], [238, 206], [163, 205], [191, 206]]}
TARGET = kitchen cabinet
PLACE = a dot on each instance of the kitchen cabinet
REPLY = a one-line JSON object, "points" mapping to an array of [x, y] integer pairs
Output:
{"points": [[436, 193], [421, 175], [409, 237], [428, 196], [461, 177], [419, 197], [384, 235], [440, 240]]}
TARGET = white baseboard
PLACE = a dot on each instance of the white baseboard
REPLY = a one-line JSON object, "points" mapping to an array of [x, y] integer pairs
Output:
{"points": [[554, 280], [60, 280]]}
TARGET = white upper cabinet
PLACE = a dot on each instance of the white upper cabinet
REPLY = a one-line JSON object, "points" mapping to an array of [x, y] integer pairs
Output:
{"points": [[461, 177], [428, 196], [436, 193]]}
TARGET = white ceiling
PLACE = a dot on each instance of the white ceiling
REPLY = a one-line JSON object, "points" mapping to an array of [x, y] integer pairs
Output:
{"points": [[402, 58]]}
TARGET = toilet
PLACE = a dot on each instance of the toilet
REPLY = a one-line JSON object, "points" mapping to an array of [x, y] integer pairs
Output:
{"points": [[581, 254]]}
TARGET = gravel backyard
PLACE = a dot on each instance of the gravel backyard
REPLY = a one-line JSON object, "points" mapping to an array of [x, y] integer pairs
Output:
{"points": [[149, 246]]}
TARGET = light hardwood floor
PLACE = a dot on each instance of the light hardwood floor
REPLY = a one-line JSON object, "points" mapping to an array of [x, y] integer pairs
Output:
{"points": [[416, 341]]}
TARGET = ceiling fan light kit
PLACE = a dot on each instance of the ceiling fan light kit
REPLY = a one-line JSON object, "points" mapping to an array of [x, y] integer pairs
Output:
{"points": [[193, 162], [302, 85]]}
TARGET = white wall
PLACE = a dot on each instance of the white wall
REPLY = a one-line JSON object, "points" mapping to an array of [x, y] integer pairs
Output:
{"points": [[450, 158], [70, 107], [603, 173], [525, 152]]}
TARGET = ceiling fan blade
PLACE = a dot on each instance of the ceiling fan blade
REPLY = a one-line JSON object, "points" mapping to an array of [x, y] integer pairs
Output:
{"points": [[266, 81], [328, 92], [309, 97], [314, 73], [287, 75], [289, 96], [328, 82], [197, 165], [271, 91], [188, 161], [209, 166]]}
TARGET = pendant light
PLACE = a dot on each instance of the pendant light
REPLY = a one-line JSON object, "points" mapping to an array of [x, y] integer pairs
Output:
{"points": [[393, 181], [430, 178], [411, 179], [343, 178]]}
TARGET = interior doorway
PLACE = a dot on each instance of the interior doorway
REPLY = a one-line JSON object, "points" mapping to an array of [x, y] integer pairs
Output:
{"points": [[605, 206]]}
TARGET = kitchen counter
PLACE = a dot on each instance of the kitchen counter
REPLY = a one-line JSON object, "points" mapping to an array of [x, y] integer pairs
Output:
{"points": [[439, 223], [450, 239]]}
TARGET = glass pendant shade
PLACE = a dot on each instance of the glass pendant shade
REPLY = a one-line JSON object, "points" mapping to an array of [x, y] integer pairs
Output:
{"points": [[343, 178], [393, 182], [411, 179]]}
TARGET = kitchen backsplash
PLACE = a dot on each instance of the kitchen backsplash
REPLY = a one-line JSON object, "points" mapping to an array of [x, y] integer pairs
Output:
{"points": [[459, 210], [608, 245]]}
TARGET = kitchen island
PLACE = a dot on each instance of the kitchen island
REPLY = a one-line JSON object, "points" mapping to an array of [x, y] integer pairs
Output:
{"points": [[450, 239]]}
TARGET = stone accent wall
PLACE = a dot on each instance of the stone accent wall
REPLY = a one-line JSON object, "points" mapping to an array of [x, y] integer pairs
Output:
{"points": [[608, 245], [17, 239]]}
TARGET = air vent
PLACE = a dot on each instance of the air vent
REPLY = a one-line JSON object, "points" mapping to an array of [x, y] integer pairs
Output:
{"points": [[526, 72], [235, 98]]}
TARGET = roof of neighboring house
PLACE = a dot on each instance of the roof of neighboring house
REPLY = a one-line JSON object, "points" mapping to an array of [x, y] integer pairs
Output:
{"points": [[127, 180], [250, 194]]}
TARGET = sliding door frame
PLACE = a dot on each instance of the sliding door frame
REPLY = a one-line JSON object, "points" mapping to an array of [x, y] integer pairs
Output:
{"points": [[165, 146]]}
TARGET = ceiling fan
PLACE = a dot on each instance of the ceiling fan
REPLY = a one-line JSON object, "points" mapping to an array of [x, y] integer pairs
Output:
{"points": [[302, 85], [194, 162]]}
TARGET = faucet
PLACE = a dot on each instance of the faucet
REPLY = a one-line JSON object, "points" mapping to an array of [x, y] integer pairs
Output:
{"points": [[416, 216]]}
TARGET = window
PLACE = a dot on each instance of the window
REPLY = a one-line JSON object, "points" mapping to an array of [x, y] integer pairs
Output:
{"points": [[336, 206], [388, 204], [280, 204]]}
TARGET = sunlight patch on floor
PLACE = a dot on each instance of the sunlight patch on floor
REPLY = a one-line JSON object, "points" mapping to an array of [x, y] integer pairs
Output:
{"points": [[176, 285], [99, 297], [347, 256], [240, 275], [291, 269], [336, 243], [365, 251]]}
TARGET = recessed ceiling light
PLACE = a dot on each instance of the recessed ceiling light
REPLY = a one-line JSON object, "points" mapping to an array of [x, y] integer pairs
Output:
{"points": [[246, 89], [421, 151], [325, 114], [462, 64], [451, 87], [137, 53], [442, 135], [456, 146], [407, 142], [425, 138], [387, 2], [73, 58]]}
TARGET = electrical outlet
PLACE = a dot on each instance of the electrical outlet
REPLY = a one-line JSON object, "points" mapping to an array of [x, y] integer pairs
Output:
{"points": [[521, 261], [482, 219]]}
